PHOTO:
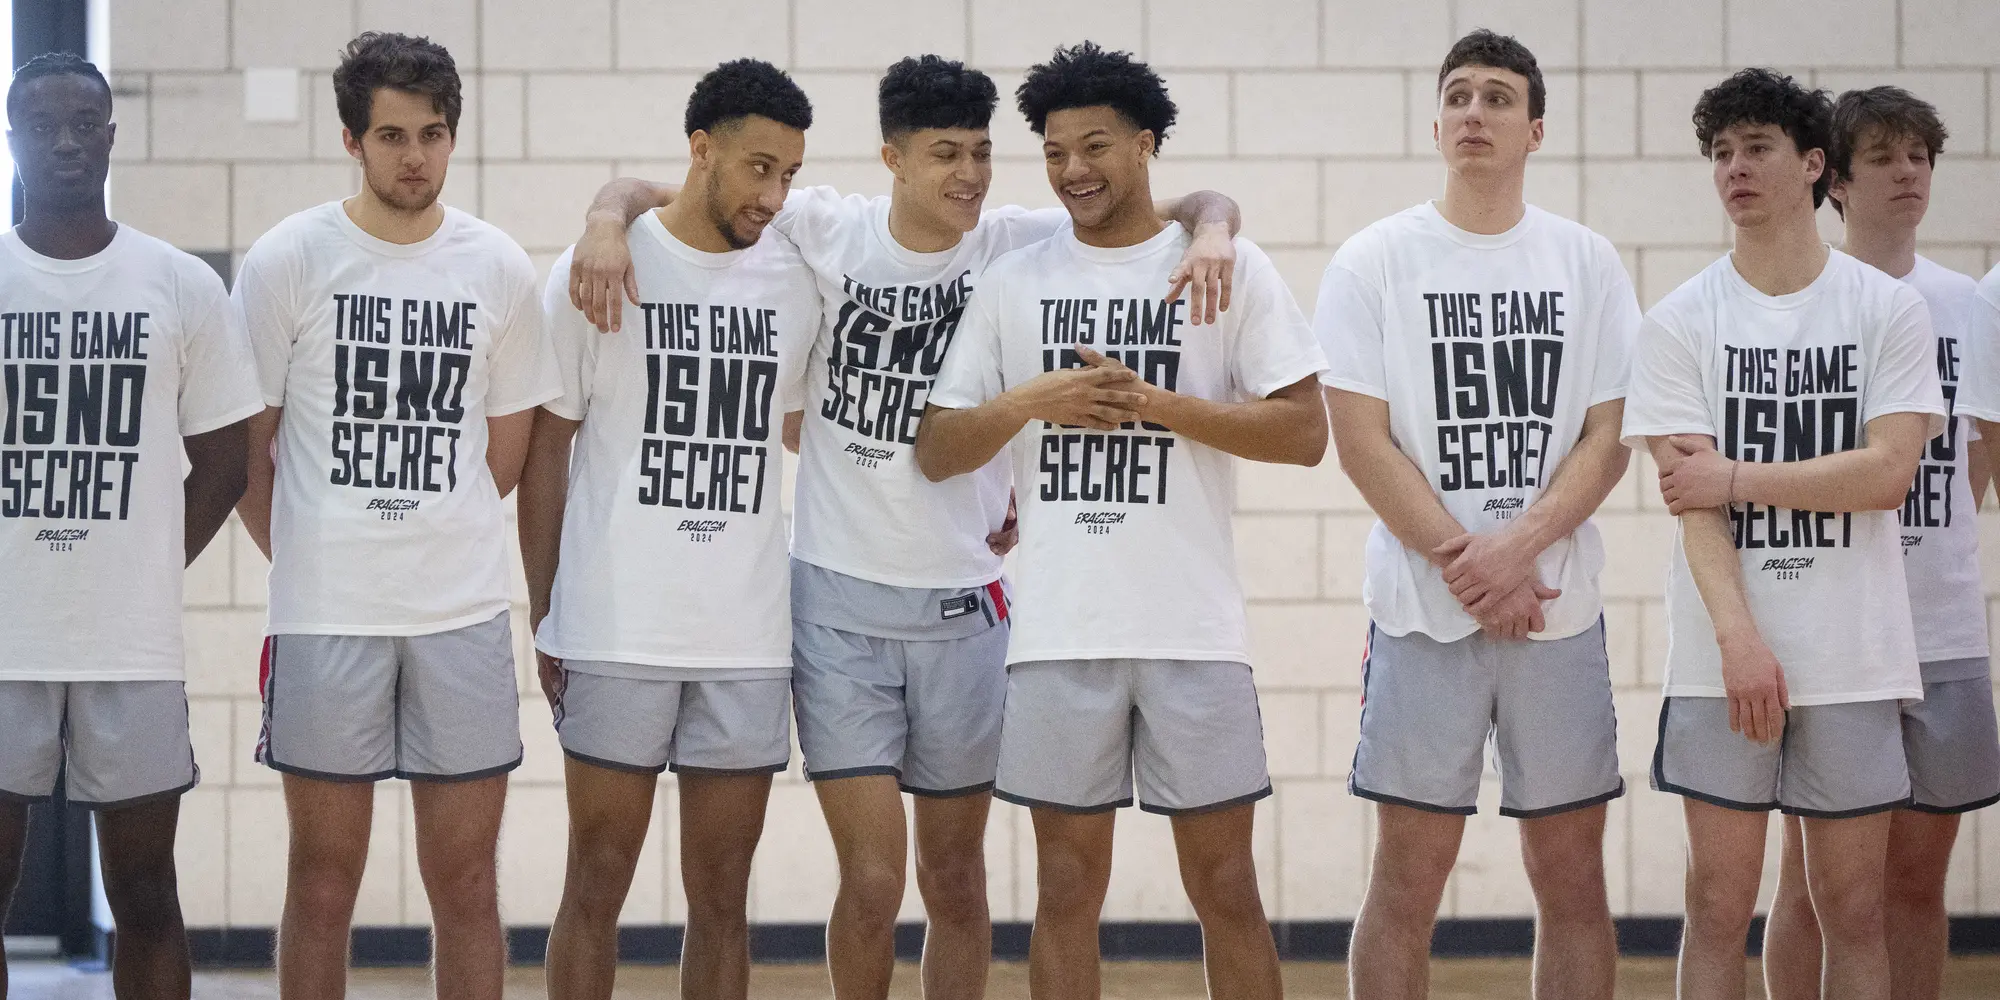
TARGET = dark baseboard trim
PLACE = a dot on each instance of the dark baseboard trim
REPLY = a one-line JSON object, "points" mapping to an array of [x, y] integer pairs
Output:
{"points": [[1302, 940]]}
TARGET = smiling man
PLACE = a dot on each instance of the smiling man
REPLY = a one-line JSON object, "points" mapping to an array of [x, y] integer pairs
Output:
{"points": [[1129, 664], [1478, 351], [1786, 393], [899, 613], [400, 347]]}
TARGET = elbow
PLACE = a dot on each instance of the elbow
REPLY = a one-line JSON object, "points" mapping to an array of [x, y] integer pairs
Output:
{"points": [[1310, 449], [1892, 487], [929, 464]]}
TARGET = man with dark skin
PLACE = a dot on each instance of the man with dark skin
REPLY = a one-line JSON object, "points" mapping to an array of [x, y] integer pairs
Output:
{"points": [[92, 539]]}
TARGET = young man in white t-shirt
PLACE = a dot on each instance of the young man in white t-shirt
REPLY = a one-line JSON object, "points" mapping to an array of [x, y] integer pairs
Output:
{"points": [[1129, 650], [657, 573], [1786, 393], [400, 347], [899, 615], [1478, 351], [1885, 143], [104, 332]]}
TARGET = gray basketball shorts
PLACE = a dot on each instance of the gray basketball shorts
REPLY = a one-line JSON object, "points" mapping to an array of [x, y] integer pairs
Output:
{"points": [[126, 742], [1953, 748], [1079, 732], [1832, 762], [439, 707], [1429, 709], [646, 725], [926, 711]]}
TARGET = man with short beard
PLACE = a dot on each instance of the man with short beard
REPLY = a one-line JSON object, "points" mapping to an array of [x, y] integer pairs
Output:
{"points": [[399, 343], [900, 620]]}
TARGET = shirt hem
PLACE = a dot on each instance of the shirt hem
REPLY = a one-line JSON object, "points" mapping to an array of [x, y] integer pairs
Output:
{"points": [[533, 400], [1898, 694], [1548, 636], [910, 583], [783, 663], [645, 670], [1608, 395], [1961, 653], [1628, 435], [92, 676], [1304, 370], [1042, 655], [1349, 385], [426, 628], [216, 424]]}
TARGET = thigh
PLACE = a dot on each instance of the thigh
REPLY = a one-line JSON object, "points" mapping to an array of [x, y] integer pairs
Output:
{"points": [[136, 843], [330, 706], [1426, 713], [847, 690], [31, 738], [1953, 747], [458, 713], [1066, 739], [722, 819], [1844, 760], [1699, 758], [616, 722], [128, 743], [957, 693], [330, 824], [733, 727], [458, 822], [1725, 855], [1198, 743], [1555, 730]]}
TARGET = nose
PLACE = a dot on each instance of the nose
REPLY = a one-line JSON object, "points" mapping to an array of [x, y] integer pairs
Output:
{"points": [[1073, 168], [771, 196]]}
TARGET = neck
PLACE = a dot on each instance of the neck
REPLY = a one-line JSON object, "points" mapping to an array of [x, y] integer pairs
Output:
{"points": [[915, 230], [1487, 204], [687, 221], [1781, 256], [390, 224], [1890, 249], [1133, 222], [69, 232]]}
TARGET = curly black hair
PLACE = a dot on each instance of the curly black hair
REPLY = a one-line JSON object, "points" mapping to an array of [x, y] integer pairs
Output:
{"points": [[1880, 112], [1484, 47], [1084, 76], [378, 59], [1758, 96], [54, 64], [922, 92], [740, 88]]}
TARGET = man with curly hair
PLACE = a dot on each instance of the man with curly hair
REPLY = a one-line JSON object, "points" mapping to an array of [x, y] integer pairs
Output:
{"points": [[1786, 394], [1129, 663], [900, 619], [655, 550]]}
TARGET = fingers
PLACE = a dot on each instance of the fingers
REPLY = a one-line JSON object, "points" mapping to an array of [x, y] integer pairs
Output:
{"points": [[1738, 716], [1112, 416], [607, 304], [1784, 692], [1537, 621], [1228, 286], [576, 290], [632, 285], [1546, 593], [1092, 358], [1214, 282], [1454, 546], [1128, 400]]}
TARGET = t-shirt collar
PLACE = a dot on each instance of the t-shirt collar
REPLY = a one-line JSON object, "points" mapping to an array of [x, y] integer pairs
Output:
{"points": [[56, 265], [1789, 300], [651, 225], [1166, 237], [1479, 241], [374, 244]]}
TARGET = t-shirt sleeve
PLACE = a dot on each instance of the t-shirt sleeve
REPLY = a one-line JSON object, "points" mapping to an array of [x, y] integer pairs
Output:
{"points": [[218, 376], [573, 341], [971, 372], [266, 297], [1019, 227], [1979, 374], [1348, 324], [1666, 395], [813, 214], [521, 366], [1904, 378], [1618, 328], [795, 340], [1274, 345]]}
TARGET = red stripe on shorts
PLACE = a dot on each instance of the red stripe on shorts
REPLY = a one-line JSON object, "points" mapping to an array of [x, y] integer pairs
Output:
{"points": [[998, 595]]}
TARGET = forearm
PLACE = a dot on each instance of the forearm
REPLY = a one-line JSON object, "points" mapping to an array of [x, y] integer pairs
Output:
{"points": [[1288, 430], [1586, 476], [260, 476], [215, 482], [1710, 546], [1979, 462], [1202, 208], [544, 497], [955, 442], [1398, 493], [1870, 478], [627, 198]]}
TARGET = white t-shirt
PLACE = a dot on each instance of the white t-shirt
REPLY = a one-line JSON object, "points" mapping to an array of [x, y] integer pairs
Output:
{"points": [[862, 508], [1787, 378], [389, 359], [673, 540], [1940, 527], [1489, 350], [1126, 548], [92, 353]]}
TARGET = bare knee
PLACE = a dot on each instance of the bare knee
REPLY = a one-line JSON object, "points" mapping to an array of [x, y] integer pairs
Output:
{"points": [[144, 900], [467, 883], [324, 878], [1718, 907], [1225, 891], [954, 890], [1407, 877], [1569, 888], [873, 888], [1069, 882], [717, 880], [600, 874], [1848, 910]]}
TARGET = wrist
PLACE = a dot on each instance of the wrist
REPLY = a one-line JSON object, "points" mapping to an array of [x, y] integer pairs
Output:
{"points": [[604, 218], [1737, 635]]}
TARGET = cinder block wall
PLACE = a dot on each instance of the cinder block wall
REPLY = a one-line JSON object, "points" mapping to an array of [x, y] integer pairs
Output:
{"points": [[1314, 115]]}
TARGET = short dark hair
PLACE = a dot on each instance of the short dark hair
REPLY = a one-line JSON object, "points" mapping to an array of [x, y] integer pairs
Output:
{"points": [[1884, 112], [1484, 47], [54, 64], [378, 59], [744, 87], [1085, 76], [1758, 96], [922, 92]]}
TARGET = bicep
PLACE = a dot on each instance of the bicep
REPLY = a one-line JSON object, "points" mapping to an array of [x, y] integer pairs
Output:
{"points": [[1900, 434], [1358, 419]]}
